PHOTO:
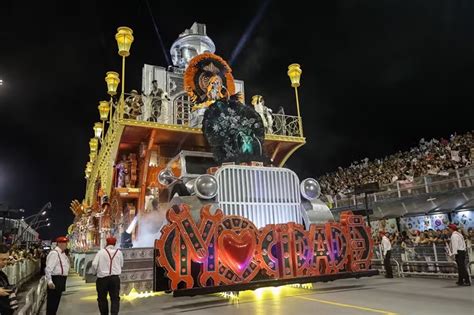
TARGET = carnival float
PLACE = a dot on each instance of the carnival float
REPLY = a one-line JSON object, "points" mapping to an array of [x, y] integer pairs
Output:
{"points": [[191, 179]]}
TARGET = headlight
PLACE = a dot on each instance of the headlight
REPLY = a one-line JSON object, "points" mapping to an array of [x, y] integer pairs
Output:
{"points": [[310, 189], [166, 177], [205, 186]]}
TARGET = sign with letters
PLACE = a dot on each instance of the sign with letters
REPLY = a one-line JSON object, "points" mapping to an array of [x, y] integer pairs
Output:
{"points": [[225, 250]]}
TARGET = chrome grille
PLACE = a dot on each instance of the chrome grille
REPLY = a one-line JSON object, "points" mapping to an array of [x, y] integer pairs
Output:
{"points": [[264, 195]]}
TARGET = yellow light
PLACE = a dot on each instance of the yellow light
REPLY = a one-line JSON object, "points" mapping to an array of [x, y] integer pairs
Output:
{"points": [[112, 80], [94, 144], [307, 286], [294, 72], [97, 129], [134, 294], [104, 108], [124, 40], [92, 156]]}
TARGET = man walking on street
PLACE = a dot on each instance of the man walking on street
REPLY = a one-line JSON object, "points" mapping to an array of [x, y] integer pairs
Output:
{"points": [[56, 271], [108, 265], [458, 249], [387, 253]]}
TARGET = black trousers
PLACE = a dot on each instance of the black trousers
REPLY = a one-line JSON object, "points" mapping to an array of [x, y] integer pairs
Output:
{"points": [[108, 285], [388, 265], [54, 295], [463, 276]]}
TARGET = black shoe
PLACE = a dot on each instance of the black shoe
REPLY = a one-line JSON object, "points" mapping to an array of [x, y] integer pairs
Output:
{"points": [[467, 284], [459, 283]]}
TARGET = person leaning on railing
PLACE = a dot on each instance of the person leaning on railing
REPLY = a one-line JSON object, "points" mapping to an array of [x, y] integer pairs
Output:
{"points": [[8, 300]]}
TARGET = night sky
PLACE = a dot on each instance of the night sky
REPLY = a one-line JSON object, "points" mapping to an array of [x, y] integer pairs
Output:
{"points": [[378, 75]]}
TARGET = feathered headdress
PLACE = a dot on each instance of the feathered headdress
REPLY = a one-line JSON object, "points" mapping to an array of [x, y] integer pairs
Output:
{"points": [[203, 70]]}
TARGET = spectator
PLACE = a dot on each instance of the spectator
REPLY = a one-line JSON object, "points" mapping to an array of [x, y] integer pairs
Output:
{"points": [[8, 301], [428, 158]]}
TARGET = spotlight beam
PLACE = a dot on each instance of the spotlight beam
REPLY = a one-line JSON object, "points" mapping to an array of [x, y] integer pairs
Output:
{"points": [[155, 26], [245, 37]]}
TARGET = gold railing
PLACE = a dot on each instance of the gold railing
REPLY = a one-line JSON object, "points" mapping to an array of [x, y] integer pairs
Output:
{"points": [[142, 110]]}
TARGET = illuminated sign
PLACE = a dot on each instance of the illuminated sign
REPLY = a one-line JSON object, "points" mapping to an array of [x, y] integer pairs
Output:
{"points": [[226, 250]]}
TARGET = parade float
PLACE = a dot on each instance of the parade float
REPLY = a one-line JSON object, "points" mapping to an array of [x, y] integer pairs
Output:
{"points": [[190, 178]]}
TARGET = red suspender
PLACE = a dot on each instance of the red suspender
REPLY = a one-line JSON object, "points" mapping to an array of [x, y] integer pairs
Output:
{"points": [[60, 263], [111, 258]]}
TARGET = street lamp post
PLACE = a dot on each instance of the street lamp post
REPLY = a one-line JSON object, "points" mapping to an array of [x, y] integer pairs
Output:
{"points": [[294, 72], [45, 221], [33, 222], [42, 226], [124, 38]]}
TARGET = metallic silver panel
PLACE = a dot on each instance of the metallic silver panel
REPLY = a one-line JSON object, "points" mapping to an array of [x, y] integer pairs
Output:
{"points": [[264, 195]]}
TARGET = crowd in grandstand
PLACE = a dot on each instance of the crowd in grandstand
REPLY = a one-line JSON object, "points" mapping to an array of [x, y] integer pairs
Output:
{"points": [[434, 157], [428, 237], [18, 254]]}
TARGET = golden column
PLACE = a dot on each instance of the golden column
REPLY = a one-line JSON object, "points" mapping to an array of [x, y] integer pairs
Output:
{"points": [[104, 109], [124, 38], [294, 72], [112, 80]]}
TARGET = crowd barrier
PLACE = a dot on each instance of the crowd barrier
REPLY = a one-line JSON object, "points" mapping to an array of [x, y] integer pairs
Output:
{"points": [[22, 271], [422, 260], [34, 299]]}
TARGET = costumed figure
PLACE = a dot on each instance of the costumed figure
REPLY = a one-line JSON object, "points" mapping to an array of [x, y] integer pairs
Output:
{"points": [[122, 171], [235, 131], [156, 95], [264, 112]]}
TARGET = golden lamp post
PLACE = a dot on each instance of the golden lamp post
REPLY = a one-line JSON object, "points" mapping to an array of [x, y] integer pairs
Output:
{"points": [[104, 109], [98, 130], [124, 38], [112, 80], [294, 72], [94, 144]]}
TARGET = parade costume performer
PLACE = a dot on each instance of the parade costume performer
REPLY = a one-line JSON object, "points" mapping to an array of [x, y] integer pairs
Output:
{"points": [[458, 249], [234, 130], [387, 253], [56, 271], [108, 265]]}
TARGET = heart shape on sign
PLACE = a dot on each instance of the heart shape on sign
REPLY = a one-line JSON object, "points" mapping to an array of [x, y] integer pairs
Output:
{"points": [[237, 250]]}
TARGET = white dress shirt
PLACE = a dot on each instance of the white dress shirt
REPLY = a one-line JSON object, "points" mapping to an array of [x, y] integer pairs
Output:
{"points": [[386, 245], [457, 242], [108, 262], [57, 264]]}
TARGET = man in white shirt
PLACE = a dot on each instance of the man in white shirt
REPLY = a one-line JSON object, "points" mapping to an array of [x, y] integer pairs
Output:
{"points": [[458, 249], [108, 265], [387, 252], [56, 271]]}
